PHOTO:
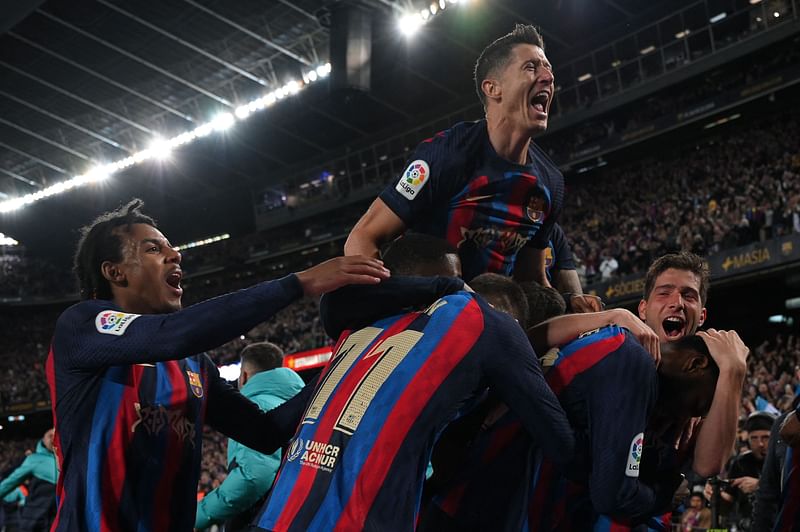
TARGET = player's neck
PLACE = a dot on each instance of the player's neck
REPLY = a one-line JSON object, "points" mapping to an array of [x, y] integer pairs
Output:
{"points": [[508, 142]]}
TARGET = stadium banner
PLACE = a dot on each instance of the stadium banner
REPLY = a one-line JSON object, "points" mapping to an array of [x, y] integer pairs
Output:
{"points": [[724, 265]]}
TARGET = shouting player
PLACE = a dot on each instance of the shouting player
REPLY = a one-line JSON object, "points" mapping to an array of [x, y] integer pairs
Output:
{"points": [[130, 388], [359, 458], [484, 186]]}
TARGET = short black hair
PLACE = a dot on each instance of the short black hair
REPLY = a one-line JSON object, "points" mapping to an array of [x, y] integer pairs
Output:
{"points": [[99, 242], [675, 385], [497, 54], [544, 302], [503, 294], [262, 356], [684, 260], [413, 251]]}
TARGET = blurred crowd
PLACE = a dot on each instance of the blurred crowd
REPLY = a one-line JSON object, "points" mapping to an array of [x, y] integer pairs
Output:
{"points": [[736, 189]]}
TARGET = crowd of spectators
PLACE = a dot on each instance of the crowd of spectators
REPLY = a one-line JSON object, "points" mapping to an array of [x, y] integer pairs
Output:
{"points": [[730, 191], [25, 341], [213, 466], [13, 452]]}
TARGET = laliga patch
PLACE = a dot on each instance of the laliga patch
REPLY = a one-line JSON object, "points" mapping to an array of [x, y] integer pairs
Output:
{"points": [[113, 322], [635, 456], [413, 179]]}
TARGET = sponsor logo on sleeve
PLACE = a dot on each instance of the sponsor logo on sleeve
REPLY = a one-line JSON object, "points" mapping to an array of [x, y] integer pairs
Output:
{"points": [[635, 456], [113, 322], [413, 179]]}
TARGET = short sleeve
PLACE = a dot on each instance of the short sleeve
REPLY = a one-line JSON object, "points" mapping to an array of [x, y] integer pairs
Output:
{"points": [[422, 185]]}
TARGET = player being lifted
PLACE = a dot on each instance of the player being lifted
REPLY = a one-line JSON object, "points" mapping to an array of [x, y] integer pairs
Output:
{"points": [[484, 186]]}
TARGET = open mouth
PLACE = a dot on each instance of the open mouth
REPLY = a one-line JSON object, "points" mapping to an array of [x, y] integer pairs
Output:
{"points": [[174, 280], [673, 326], [539, 101]]}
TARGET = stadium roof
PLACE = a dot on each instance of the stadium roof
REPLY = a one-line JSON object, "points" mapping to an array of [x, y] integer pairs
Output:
{"points": [[90, 82]]}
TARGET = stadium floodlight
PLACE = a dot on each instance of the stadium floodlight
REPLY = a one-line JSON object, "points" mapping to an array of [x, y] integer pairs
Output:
{"points": [[442, 4], [776, 14], [203, 242], [682, 34], [7, 241], [754, 2], [161, 148], [645, 51], [434, 8], [409, 24], [585, 77], [223, 122], [425, 14], [716, 18]]}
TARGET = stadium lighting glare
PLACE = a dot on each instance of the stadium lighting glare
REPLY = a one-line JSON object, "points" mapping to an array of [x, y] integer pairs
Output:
{"points": [[645, 51], [410, 24], [776, 14], [161, 148], [754, 2], [615, 63], [324, 70], [7, 241], [434, 8], [442, 4], [585, 77], [716, 18], [204, 242], [425, 14], [682, 34]]}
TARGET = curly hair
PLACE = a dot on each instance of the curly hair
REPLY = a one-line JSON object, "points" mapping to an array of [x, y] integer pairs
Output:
{"points": [[100, 242]]}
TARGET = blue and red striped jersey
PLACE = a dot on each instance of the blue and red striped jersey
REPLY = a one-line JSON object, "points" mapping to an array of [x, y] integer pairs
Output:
{"points": [[456, 187], [607, 384], [130, 394], [788, 519], [359, 457]]}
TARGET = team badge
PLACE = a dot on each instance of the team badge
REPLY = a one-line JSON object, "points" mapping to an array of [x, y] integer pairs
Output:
{"points": [[537, 206], [635, 456], [113, 322], [195, 383], [413, 179]]}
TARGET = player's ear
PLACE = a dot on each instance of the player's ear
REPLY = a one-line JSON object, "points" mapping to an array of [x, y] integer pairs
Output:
{"points": [[112, 272], [492, 89], [695, 363], [702, 317], [643, 309]]}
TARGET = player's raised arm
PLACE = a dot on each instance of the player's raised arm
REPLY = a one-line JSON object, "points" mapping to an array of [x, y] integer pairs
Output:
{"points": [[95, 333], [560, 330], [376, 227], [516, 377]]}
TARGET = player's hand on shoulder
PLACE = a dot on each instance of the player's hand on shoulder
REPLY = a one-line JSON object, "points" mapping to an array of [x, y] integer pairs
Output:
{"points": [[727, 349], [790, 430], [641, 331], [340, 271], [580, 303]]}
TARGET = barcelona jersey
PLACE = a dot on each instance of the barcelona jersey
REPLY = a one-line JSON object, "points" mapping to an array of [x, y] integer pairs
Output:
{"points": [[359, 457], [456, 187], [130, 395], [788, 519], [607, 384]]}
